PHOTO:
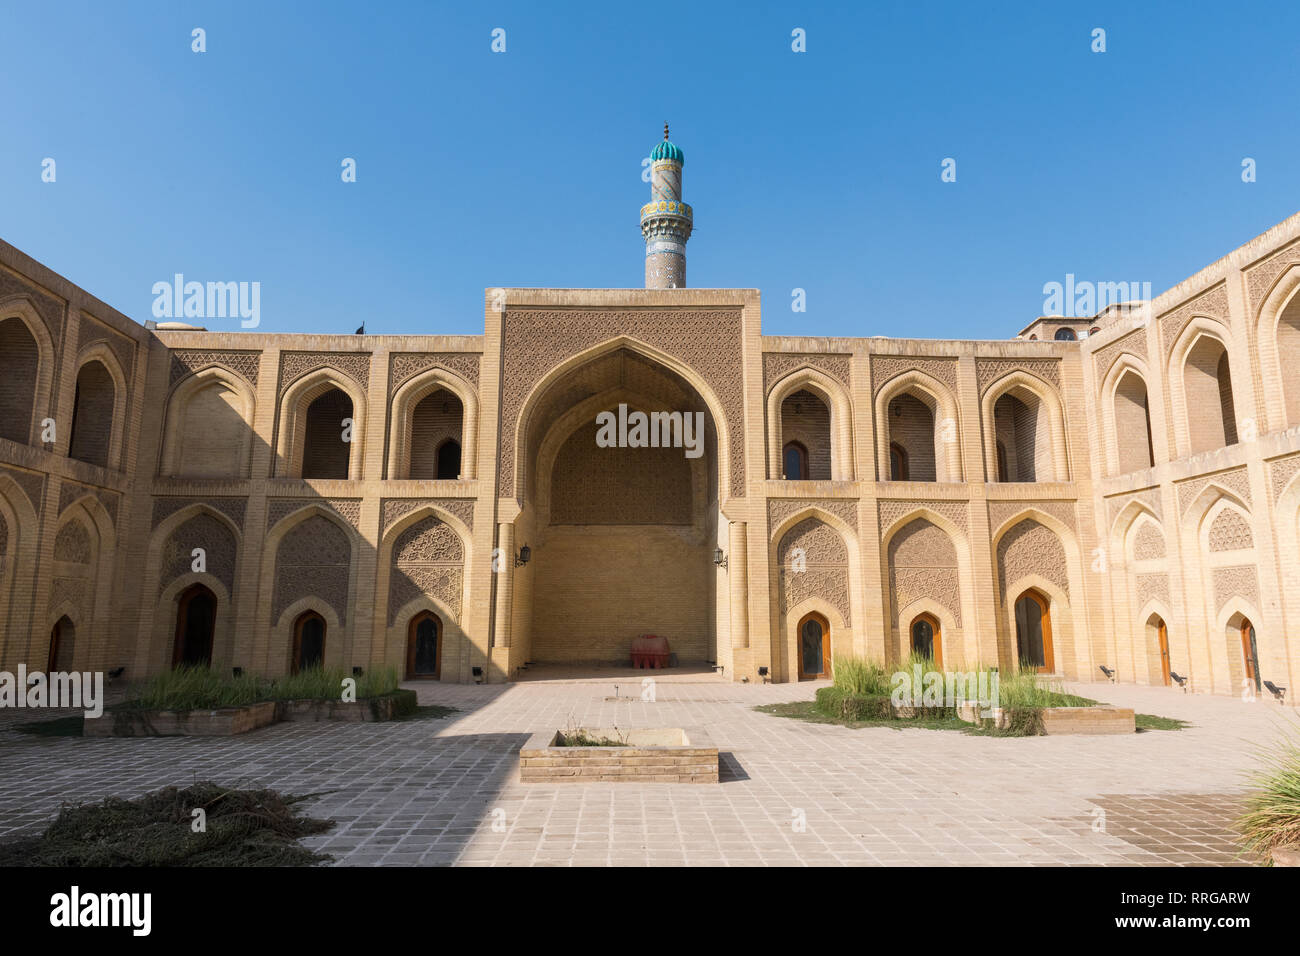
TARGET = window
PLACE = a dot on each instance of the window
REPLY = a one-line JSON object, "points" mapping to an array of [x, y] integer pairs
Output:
{"points": [[795, 460], [1065, 335]]}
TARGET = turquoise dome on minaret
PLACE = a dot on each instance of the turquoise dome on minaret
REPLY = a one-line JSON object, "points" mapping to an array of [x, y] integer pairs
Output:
{"points": [[668, 150]]}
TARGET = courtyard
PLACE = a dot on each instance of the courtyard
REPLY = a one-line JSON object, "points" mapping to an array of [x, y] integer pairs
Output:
{"points": [[445, 791]]}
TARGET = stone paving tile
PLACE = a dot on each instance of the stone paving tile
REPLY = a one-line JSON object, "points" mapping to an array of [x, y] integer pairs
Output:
{"points": [[430, 792]]}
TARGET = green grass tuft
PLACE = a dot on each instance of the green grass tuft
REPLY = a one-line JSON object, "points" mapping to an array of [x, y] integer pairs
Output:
{"points": [[1152, 722], [1272, 818]]}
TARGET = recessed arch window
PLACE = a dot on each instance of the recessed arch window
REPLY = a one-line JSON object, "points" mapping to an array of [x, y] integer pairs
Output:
{"points": [[93, 405], [795, 462], [1132, 424], [325, 453], [1065, 335], [308, 642], [19, 366], [1207, 388]]}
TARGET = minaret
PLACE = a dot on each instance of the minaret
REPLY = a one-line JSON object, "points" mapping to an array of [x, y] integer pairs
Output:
{"points": [[665, 220]]}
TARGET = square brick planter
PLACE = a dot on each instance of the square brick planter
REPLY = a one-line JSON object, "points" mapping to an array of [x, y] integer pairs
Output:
{"points": [[388, 707], [180, 723], [670, 755], [1286, 856]]}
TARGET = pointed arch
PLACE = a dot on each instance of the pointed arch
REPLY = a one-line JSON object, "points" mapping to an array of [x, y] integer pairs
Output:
{"points": [[1049, 423], [1127, 428], [403, 405], [946, 429], [230, 453], [1277, 335], [837, 401], [291, 432], [1204, 399], [538, 393], [35, 378], [99, 408], [17, 571]]}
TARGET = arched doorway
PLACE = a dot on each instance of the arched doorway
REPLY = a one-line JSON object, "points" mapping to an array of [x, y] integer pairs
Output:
{"points": [[795, 462], [308, 642], [63, 642], [424, 647], [814, 647], [1162, 641], [1034, 632], [927, 639], [196, 621], [1250, 651], [449, 459]]}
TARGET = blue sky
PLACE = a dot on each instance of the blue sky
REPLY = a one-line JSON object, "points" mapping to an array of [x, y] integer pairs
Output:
{"points": [[816, 170]]}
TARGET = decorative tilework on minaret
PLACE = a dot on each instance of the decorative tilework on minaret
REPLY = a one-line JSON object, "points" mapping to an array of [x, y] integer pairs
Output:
{"points": [[665, 220]]}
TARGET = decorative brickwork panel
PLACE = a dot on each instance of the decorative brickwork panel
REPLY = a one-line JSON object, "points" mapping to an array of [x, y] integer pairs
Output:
{"points": [[349, 509], [887, 367], [187, 361], [1240, 581], [1148, 586], [32, 483], [428, 558], [294, 365], [1002, 511], [1027, 549], [395, 508], [923, 564], [958, 512], [846, 509], [777, 365], [123, 348], [1261, 276], [72, 544], [232, 508], [1230, 532], [1150, 498], [404, 366], [1238, 482], [70, 493], [1135, 343], [988, 371], [72, 590], [1281, 472], [707, 341], [51, 310], [1212, 303], [218, 544], [1149, 543], [591, 485], [314, 559], [817, 548]]}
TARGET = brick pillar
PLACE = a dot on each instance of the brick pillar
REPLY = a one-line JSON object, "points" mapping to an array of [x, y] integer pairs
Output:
{"points": [[505, 583], [738, 581]]}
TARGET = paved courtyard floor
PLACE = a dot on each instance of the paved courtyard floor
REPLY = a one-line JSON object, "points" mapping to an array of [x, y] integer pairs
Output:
{"points": [[446, 791]]}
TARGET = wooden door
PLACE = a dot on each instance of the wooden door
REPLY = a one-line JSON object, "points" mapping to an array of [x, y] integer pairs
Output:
{"points": [[814, 651], [1250, 653], [1162, 633], [1034, 632], [927, 638], [424, 647]]}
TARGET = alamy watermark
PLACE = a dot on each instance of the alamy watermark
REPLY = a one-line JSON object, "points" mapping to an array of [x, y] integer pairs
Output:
{"points": [[655, 430], [929, 688], [1084, 299], [57, 689], [179, 299]]}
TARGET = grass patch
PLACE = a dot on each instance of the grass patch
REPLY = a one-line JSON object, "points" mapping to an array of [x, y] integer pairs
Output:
{"points": [[1272, 819], [582, 738], [244, 828], [59, 727], [808, 710], [201, 688], [1152, 722]]}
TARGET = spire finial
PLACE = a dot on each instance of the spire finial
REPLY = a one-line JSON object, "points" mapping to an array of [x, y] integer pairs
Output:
{"points": [[665, 130]]}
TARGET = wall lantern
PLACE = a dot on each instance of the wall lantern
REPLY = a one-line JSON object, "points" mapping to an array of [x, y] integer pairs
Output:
{"points": [[719, 558], [525, 554]]}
